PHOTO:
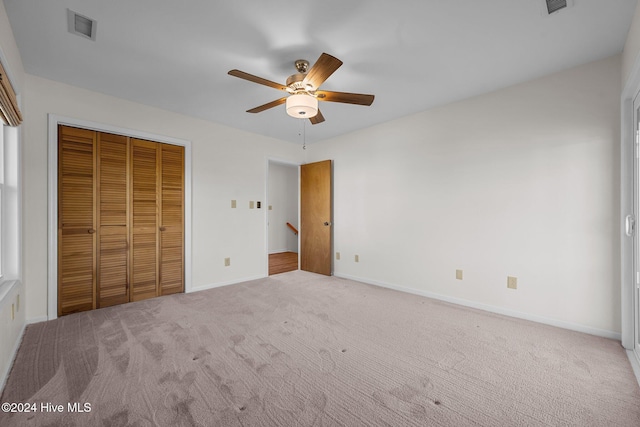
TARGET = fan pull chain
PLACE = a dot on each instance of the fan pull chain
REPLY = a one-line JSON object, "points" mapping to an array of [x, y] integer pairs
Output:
{"points": [[304, 134]]}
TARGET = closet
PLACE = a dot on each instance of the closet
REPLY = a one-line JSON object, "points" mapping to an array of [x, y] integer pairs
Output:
{"points": [[120, 219]]}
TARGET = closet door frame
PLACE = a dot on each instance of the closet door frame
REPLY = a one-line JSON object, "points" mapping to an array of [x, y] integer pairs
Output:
{"points": [[52, 250]]}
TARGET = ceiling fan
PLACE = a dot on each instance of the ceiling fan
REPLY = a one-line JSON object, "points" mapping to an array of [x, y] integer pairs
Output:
{"points": [[303, 88]]}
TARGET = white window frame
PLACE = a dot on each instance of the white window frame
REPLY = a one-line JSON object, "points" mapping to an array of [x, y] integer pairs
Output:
{"points": [[10, 204]]}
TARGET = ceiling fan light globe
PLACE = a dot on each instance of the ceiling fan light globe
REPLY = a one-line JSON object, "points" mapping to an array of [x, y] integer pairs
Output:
{"points": [[302, 106]]}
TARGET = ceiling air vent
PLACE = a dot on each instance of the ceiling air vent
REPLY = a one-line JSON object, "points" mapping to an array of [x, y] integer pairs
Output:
{"points": [[81, 25], [555, 5]]}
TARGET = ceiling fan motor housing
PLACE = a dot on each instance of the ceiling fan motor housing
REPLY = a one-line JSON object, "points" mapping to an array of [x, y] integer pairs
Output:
{"points": [[295, 83]]}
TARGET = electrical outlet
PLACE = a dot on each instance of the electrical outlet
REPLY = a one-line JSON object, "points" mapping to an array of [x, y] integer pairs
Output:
{"points": [[259, 205], [251, 204], [357, 258], [227, 262], [233, 204], [459, 274], [512, 282], [338, 255]]}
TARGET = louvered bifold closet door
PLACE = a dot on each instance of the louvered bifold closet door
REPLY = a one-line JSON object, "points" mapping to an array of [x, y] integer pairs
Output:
{"points": [[76, 220], [145, 160], [171, 219], [113, 220]]}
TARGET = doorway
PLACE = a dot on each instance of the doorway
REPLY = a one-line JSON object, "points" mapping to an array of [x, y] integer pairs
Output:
{"points": [[282, 216]]}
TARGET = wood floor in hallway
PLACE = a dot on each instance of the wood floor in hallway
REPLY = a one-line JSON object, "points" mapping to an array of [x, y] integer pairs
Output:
{"points": [[282, 262]]}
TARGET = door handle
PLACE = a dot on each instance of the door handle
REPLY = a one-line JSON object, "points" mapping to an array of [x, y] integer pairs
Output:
{"points": [[327, 223], [163, 228], [91, 231], [629, 225]]}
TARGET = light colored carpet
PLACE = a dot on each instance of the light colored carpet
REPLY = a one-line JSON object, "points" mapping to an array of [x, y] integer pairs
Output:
{"points": [[298, 349]]}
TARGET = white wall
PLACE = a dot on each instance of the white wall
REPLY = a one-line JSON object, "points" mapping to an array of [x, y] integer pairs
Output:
{"points": [[227, 164], [283, 198], [522, 182], [632, 46]]}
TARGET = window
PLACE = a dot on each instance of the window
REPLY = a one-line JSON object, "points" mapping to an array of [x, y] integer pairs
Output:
{"points": [[9, 204], [10, 234]]}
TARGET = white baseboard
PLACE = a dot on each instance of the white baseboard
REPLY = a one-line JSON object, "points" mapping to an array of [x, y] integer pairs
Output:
{"points": [[220, 284], [37, 320], [493, 309], [635, 364]]}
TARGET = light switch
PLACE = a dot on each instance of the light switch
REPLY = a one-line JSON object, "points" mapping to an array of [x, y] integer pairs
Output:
{"points": [[233, 204], [251, 204]]}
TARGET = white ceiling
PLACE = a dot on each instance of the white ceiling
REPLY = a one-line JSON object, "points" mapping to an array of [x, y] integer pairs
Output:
{"points": [[412, 54]]}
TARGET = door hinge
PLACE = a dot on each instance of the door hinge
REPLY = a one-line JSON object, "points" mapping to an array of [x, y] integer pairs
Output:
{"points": [[637, 278], [636, 145]]}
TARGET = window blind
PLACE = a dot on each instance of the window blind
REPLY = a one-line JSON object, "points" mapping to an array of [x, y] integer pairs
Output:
{"points": [[9, 111]]}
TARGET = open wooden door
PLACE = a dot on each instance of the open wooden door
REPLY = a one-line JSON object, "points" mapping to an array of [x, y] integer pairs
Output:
{"points": [[315, 217]]}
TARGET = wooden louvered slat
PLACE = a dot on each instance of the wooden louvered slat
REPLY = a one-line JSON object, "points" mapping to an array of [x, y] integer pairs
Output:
{"points": [[113, 220], [172, 220], [76, 220], [144, 220]]}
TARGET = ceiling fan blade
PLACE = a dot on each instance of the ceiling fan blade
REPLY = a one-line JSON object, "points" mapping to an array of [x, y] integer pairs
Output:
{"points": [[322, 69], [345, 97], [256, 79], [268, 105], [318, 118]]}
